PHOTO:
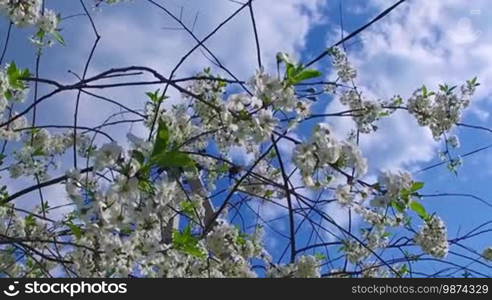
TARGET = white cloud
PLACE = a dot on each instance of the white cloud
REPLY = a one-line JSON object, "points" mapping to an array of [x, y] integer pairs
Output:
{"points": [[421, 42]]}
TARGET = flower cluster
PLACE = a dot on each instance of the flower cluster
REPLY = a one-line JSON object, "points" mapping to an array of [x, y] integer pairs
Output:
{"points": [[20, 228], [323, 154], [256, 185], [366, 112], [145, 208], [341, 63], [344, 195], [487, 253], [243, 120], [25, 13], [374, 239], [128, 222], [40, 149], [12, 90], [433, 237], [453, 141], [22, 12], [305, 267], [392, 184], [107, 155], [441, 110], [11, 87]]}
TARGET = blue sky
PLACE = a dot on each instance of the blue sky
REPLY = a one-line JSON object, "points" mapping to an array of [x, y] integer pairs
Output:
{"points": [[422, 42]]}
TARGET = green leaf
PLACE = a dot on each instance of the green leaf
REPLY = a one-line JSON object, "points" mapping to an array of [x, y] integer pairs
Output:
{"points": [[424, 91], [296, 73], [12, 70], [8, 95], [166, 156], [58, 37], [241, 239], [405, 195], [186, 242], [305, 75], [419, 209], [174, 159], [291, 71], [222, 168], [416, 186], [38, 152], [146, 186], [40, 34], [400, 207], [162, 139], [30, 221], [126, 231], [155, 97], [404, 270], [138, 156], [189, 208], [269, 194], [76, 230], [16, 76]]}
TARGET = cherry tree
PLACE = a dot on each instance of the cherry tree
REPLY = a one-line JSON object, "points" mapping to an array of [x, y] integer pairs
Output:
{"points": [[174, 203]]}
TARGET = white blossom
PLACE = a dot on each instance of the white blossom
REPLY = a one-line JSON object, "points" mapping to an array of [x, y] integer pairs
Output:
{"points": [[107, 155], [487, 253], [433, 237]]}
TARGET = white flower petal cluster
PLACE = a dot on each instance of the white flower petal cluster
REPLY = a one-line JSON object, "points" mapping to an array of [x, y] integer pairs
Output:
{"points": [[323, 153], [487, 253], [365, 112], [344, 195], [12, 131], [393, 183], [22, 12], [306, 266], [373, 239], [226, 242], [27, 228], [107, 155], [256, 185], [48, 22], [453, 141], [441, 110], [247, 121], [433, 237], [39, 150], [345, 71], [26, 13], [271, 90], [126, 222], [375, 270], [379, 218], [242, 119]]}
